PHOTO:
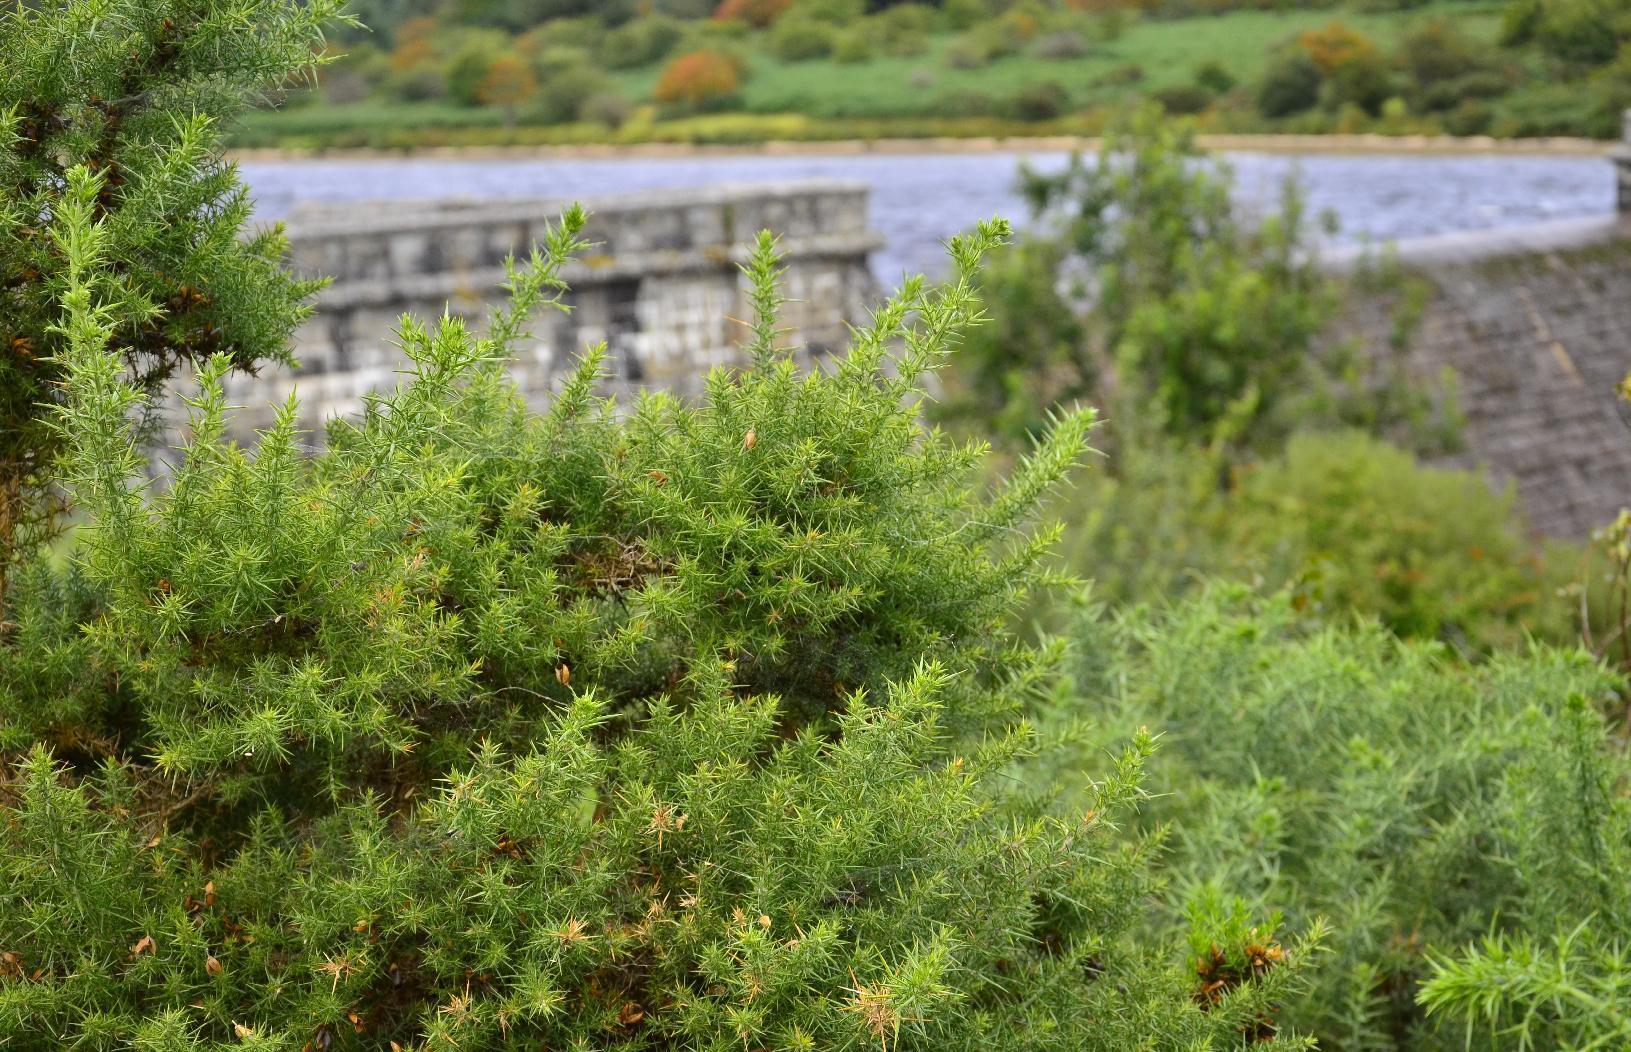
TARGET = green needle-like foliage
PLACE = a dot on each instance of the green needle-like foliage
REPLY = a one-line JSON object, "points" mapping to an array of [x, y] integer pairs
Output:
{"points": [[134, 91], [656, 726], [1465, 830]]}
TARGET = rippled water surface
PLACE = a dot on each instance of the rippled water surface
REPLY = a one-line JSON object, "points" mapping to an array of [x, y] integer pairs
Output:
{"points": [[920, 199]]}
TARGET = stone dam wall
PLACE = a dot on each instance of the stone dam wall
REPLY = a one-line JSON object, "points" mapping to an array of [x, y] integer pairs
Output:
{"points": [[661, 286], [1535, 325]]}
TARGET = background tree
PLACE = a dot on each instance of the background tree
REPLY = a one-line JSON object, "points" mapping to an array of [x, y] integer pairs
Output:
{"points": [[1146, 293], [509, 83], [700, 80]]}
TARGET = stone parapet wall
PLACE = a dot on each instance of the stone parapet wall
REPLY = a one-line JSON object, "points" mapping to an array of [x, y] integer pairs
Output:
{"points": [[661, 286], [400, 239]]}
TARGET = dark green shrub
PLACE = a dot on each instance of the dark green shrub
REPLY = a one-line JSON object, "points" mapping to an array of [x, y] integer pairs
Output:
{"points": [[1451, 94], [416, 84], [1213, 77], [1183, 99], [996, 390], [565, 92], [469, 66], [732, 38], [578, 34], [1040, 101], [686, 9], [1560, 108], [1438, 51], [1520, 20], [909, 18], [901, 31], [518, 15], [1346, 523], [1582, 32], [1365, 81], [1186, 320], [549, 61], [642, 42], [799, 39], [1140, 288], [1355, 524], [834, 12], [852, 46], [1290, 84], [995, 38], [1112, 24], [1471, 116], [962, 14], [1429, 810]]}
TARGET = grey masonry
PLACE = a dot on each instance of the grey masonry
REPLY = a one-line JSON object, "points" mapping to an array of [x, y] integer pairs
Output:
{"points": [[1534, 323], [661, 286]]}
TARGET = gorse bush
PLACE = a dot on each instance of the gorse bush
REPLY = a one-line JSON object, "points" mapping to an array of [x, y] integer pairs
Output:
{"points": [[681, 729], [668, 726], [129, 90], [1460, 827]]}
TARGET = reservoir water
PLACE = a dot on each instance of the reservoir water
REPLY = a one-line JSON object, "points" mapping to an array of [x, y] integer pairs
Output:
{"points": [[918, 200]]}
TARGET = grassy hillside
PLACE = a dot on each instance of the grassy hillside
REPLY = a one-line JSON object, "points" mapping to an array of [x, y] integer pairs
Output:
{"points": [[1365, 71], [1166, 53]]}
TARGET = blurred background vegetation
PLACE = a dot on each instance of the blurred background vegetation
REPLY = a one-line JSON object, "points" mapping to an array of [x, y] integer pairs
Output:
{"points": [[451, 72]]}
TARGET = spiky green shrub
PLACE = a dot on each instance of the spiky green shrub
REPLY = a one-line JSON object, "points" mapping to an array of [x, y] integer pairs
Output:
{"points": [[663, 726], [1464, 826], [134, 90]]}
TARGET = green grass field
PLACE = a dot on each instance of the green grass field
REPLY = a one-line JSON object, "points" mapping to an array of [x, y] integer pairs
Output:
{"points": [[905, 97], [1167, 53]]}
